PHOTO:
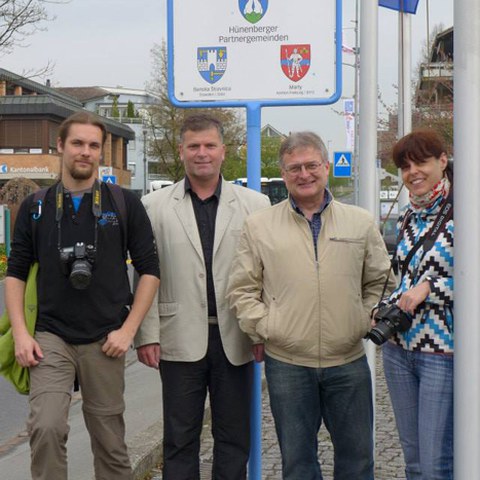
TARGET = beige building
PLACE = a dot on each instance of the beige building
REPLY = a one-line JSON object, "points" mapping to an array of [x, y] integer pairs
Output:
{"points": [[30, 114]]}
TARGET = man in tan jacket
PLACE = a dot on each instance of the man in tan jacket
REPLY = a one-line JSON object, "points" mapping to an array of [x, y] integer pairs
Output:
{"points": [[306, 275], [190, 332]]}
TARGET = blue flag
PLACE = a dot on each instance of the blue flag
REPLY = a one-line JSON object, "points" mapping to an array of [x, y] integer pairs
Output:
{"points": [[406, 6]]}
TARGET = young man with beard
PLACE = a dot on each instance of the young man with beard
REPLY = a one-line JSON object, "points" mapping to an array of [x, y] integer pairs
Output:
{"points": [[86, 322]]}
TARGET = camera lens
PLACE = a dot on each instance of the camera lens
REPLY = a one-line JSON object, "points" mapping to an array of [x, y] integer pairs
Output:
{"points": [[376, 337], [81, 274]]}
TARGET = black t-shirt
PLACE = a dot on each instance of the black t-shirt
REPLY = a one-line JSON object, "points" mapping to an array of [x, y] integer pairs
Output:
{"points": [[83, 316]]}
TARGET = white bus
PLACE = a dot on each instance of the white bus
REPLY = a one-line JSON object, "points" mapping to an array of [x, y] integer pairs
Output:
{"points": [[158, 184]]}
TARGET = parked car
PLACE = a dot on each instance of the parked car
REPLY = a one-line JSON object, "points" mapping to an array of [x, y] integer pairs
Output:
{"points": [[388, 227]]}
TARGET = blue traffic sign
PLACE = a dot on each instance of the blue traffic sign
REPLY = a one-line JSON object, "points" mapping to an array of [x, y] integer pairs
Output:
{"points": [[109, 178], [342, 164]]}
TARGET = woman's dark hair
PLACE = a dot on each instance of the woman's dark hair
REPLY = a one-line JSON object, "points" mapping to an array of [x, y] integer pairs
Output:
{"points": [[418, 146]]}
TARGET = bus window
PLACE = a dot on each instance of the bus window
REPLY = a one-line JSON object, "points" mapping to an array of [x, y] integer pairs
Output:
{"points": [[158, 184], [277, 191]]}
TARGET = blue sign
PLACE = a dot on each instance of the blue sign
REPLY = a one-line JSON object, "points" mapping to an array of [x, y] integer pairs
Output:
{"points": [[342, 164], [4, 168], [109, 179], [406, 6]]}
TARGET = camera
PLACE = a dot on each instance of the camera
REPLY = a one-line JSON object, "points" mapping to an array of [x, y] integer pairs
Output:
{"points": [[77, 263], [390, 319]]}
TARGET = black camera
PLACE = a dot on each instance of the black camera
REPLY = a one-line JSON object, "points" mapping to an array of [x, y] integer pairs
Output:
{"points": [[77, 263], [390, 319]]}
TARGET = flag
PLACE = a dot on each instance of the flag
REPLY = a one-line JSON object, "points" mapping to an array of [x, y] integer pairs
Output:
{"points": [[349, 117], [346, 48], [406, 6]]}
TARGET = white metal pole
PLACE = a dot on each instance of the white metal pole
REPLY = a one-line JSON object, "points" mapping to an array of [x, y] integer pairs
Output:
{"points": [[404, 86], [467, 239], [368, 189], [356, 111], [368, 104]]}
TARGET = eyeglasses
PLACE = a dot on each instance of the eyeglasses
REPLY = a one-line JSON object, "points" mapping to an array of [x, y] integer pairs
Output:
{"points": [[296, 168]]}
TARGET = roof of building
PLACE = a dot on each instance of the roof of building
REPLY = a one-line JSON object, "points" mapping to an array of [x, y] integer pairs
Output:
{"points": [[36, 87], [85, 94], [48, 101], [270, 131], [442, 48]]}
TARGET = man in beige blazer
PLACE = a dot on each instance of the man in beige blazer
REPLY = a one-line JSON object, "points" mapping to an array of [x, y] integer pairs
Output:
{"points": [[190, 333]]}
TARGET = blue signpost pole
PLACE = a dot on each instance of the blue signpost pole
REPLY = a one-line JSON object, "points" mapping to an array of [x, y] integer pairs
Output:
{"points": [[254, 144]]}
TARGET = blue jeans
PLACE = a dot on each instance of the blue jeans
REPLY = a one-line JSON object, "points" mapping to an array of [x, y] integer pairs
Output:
{"points": [[301, 397], [421, 389]]}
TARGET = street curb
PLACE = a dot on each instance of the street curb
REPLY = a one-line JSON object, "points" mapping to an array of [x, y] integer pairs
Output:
{"points": [[145, 450]]}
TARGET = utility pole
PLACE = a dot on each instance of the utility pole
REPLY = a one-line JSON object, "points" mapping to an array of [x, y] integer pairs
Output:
{"points": [[145, 163]]}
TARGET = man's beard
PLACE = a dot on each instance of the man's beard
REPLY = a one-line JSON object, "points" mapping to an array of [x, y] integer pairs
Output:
{"points": [[82, 174]]}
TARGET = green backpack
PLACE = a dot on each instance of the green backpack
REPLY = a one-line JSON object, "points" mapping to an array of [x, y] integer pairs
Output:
{"points": [[9, 368]]}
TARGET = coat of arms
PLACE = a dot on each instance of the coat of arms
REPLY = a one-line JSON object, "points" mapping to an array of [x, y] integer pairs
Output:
{"points": [[253, 10], [212, 63], [295, 61]]}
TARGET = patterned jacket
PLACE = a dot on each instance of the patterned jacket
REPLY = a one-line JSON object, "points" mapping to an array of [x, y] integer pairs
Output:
{"points": [[432, 324]]}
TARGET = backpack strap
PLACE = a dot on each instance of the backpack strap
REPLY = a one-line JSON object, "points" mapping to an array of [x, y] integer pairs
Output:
{"points": [[36, 211], [120, 205]]}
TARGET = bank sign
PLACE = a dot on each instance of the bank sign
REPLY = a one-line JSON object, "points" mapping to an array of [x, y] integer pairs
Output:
{"points": [[4, 168], [253, 49]]}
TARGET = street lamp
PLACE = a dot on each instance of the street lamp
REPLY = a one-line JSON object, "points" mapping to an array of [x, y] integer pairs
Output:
{"points": [[145, 163]]}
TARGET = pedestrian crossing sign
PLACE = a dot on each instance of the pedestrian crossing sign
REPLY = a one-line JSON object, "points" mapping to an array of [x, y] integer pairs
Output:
{"points": [[109, 178], [342, 164]]}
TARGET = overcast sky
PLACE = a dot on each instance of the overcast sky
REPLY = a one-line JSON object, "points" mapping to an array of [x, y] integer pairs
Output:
{"points": [[108, 42]]}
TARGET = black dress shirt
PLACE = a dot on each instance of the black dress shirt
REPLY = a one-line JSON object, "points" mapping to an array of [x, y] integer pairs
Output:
{"points": [[205, 215]]}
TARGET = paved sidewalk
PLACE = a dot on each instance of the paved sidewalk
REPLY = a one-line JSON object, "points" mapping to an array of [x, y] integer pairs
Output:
{"points": [[389, 458]]}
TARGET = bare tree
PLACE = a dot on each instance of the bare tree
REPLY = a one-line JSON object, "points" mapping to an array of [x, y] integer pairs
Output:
{"points": [[19, 19]]}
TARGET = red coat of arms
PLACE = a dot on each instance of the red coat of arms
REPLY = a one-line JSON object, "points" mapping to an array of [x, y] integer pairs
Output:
{"points": [[295, 61]]}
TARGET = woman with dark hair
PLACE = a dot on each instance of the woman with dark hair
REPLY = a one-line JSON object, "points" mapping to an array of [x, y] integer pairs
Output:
{"points": [[418, 363]]}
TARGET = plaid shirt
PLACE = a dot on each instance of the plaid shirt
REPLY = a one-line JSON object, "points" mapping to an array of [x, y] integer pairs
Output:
{"points": [[316, 221]]}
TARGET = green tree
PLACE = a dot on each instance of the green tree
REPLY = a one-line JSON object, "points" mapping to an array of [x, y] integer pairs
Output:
{"points": [[269, 158], [131, 110], [115, 110], [164, 121]]}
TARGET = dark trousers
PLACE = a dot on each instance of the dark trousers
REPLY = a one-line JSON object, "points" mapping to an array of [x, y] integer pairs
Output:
{"points": [[185, 386]]}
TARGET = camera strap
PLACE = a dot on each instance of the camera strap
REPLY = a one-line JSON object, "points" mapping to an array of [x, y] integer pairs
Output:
{"points": [[444, 215], [96, 209]]}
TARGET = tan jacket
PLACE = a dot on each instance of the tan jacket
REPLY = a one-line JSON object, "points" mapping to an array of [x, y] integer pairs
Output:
{"points": [[308, 312], [179, 319]]}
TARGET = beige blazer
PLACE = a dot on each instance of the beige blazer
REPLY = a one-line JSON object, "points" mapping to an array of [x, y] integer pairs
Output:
{"points": [[179, 319]]}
